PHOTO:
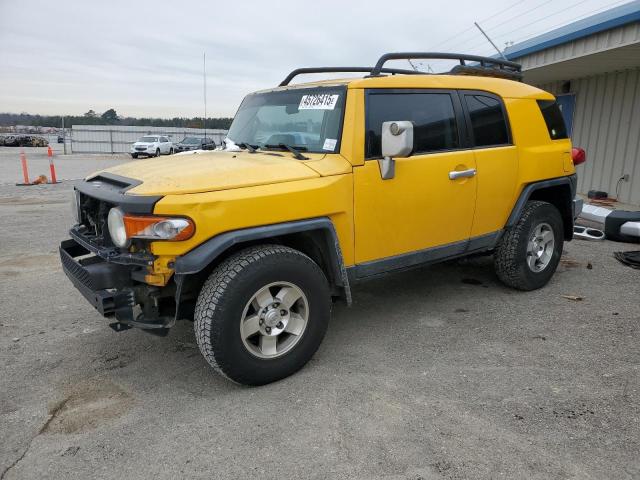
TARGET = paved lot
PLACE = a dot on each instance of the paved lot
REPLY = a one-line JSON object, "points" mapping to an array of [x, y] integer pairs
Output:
{"points": [[433, 373], [68, 167]]}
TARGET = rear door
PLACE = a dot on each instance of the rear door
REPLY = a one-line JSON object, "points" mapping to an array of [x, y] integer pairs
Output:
{"points": [[165, 145], [496, 160], [424, 206]]}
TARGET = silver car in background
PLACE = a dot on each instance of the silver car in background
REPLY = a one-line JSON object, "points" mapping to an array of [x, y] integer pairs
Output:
{"points": [[152, 146]]}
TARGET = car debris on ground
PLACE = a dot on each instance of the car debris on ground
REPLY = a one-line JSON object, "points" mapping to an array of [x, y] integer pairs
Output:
{"points": [[631, 259], [575, 298], [20, 140], [618, 225]]}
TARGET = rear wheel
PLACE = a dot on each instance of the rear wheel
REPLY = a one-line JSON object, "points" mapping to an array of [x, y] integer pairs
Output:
{"points": [[262, 314], [528, 254], [171, 151], [134, 155]]}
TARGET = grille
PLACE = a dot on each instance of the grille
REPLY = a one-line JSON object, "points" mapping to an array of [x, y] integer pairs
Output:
{"points": [[94, 214]]}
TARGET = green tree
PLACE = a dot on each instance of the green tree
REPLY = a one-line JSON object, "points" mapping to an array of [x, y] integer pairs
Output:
{"points": [[110, 117]]}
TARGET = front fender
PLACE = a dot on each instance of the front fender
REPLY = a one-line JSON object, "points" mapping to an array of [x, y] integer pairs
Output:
{"points": [[202, 256]]}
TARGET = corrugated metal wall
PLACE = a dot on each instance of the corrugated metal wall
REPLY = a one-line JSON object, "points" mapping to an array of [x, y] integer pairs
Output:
{"points": [[606, 124], [609, 41], [118, 138]]}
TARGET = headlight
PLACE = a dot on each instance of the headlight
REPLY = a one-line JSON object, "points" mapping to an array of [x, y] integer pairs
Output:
{"points": [[75, 206], [117, 230], [124, 227]]}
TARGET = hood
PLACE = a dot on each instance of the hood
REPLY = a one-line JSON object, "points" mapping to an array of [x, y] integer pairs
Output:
{"points": [[142, 144], [212, 171]]}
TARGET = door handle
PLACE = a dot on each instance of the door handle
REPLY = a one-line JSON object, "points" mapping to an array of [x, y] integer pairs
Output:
{"points": [[462, 174]]}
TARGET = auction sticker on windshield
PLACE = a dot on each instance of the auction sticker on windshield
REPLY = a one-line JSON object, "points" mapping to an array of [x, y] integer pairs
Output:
{"points": [[330, 144], [318, 102]]}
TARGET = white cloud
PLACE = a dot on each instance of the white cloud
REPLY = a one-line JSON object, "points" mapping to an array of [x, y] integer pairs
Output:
{"points": [[144, 58]]}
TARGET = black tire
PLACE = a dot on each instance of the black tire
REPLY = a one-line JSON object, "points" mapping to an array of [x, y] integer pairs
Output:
{"points": [[157, 152], [229, 288], [134, 155], [511, 258], [171, 151]]}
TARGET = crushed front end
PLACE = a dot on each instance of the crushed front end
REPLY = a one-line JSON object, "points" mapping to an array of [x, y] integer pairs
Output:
{"points": [[126, 283]]}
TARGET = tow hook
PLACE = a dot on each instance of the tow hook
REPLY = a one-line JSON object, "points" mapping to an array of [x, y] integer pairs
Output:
{"points": [[159, 328], [119, 326]]}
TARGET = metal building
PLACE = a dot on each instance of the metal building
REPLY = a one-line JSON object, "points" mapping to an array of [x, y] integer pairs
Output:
{"points": [[593, 67]]}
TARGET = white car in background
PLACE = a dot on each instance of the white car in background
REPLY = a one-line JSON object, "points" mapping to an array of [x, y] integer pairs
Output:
{"points": [[152, 146]]}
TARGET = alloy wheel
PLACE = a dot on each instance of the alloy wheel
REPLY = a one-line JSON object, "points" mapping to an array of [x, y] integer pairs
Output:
{"points": [[540, 247], [274, 320]]}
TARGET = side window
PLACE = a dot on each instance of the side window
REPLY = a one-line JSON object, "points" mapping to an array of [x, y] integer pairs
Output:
{"points": [[487, 121], [432, 114], [164, 139], [553, 118]]}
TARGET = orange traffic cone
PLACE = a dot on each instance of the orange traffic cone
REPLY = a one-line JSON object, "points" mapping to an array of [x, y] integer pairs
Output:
{"points": [[49, 151], [52, 169], [25, 171]]}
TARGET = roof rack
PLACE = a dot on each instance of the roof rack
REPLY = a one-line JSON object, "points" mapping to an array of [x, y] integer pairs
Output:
{"points": [[481, 66], [302, 71], [484, 66]]}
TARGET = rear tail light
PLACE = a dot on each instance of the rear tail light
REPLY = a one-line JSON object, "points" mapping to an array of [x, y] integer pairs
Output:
{"points": [[578, 155]]}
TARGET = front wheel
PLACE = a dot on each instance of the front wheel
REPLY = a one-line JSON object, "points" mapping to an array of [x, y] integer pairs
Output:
{"points": [[134, 155], [158, 152], [528, 254], [262, 314]]}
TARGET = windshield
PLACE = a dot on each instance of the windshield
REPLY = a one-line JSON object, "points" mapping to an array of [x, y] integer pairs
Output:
{"points": [[308, 119], [190, 140], [148, 139]]}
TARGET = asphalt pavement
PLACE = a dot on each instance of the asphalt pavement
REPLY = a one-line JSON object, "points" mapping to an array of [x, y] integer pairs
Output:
{"points": [[438, 372]]}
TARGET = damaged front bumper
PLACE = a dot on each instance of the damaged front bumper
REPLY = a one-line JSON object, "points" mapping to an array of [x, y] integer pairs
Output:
{"points": [[102, 283], [107, 279]]}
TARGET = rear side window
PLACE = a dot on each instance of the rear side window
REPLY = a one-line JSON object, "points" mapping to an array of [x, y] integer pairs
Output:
{"points": [[488, 122], [432, 114], [553, 118]]}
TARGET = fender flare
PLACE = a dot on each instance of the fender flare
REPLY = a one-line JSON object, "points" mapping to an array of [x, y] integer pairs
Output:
{"points": [[200, 257], [570, 181]]}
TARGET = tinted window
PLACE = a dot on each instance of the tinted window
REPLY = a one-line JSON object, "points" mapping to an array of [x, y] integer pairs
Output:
{"points": [[553, 118], [487, 121], [432, 114]]}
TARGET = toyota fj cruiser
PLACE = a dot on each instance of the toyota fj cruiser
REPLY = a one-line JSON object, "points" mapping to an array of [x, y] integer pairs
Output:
{"points": [[321, 185]]}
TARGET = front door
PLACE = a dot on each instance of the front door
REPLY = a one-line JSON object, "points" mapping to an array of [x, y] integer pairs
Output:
{"points": [[425, 211]]}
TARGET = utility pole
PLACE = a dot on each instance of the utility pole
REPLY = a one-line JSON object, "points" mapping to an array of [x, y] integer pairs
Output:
{"points": [[204, 75], [487, 37], [64, 137]]}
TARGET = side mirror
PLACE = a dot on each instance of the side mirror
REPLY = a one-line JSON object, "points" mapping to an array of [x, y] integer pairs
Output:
{"points": [[397, 141]]}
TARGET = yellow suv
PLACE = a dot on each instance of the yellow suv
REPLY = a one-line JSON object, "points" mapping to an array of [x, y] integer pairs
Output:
{"points": [[320, 185]]}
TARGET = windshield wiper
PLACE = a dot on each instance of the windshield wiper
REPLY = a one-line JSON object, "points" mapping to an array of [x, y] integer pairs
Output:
{"points": [[296, 151], [250, 148]]}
